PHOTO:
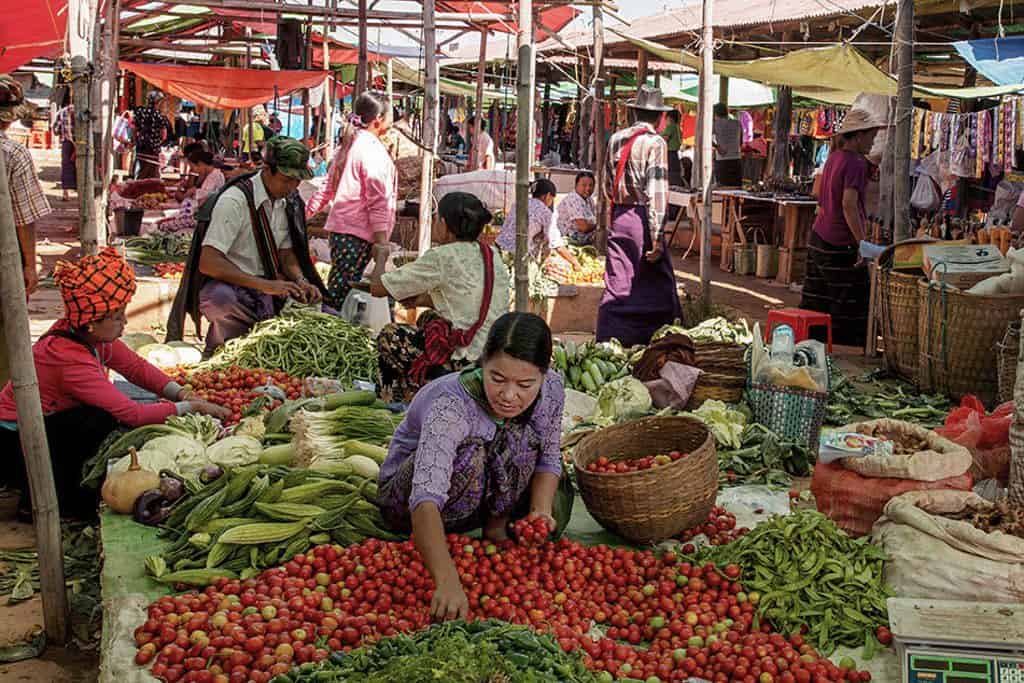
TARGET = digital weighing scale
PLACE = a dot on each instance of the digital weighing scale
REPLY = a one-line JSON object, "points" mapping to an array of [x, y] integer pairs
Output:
{"points": [[939, 641]]}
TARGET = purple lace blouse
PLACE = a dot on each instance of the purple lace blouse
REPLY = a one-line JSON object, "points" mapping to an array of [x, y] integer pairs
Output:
{"points": [[443, 416]]}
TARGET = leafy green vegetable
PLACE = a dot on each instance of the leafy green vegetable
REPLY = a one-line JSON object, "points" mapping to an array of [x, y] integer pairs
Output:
{"points": [[764, 458], [725, 423], [623, 397], [882, 397]]}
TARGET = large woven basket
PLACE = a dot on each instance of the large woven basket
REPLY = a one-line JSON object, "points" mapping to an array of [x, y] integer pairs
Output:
{"points": [[712, 386], [720, 357], [1009, 352], [723, 376], [900, 303], [656, 504], [958, 336]]}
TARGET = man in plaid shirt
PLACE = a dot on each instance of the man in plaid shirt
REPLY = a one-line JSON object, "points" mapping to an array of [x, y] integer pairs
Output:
{"points": [[27, 198], [640, 287]]}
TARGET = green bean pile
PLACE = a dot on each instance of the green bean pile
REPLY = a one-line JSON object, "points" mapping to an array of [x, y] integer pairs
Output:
{"points": [[304, 343], [808, 572]]}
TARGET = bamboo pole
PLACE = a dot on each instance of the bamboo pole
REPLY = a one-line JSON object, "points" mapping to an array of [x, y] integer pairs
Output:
{"points": [[31, 429], [362, 70], [723, 90], [524, 153], [546, 127], [600, 147], [476, 161], [706, 131], [390, 80], [328, 101], [109, 113], [430, 124], [904, 37]]}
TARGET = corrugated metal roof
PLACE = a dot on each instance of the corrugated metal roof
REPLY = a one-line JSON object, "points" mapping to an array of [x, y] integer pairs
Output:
{"points": [[727, 14]]}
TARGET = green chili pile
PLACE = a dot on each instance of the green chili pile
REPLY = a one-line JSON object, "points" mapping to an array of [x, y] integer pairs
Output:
{"points": [[304, 343], [455, 652], [805, 570]]}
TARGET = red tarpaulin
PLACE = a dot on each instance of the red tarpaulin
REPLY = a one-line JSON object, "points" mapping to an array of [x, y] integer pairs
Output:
{"points": [[551, 20], [30, 29], [222, 87]]}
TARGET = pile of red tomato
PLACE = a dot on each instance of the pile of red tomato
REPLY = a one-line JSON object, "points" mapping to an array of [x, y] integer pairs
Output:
{"points": [[234, 387], [170, 271], [605, 466], [720, 529], [531, 531], [663, 620]]}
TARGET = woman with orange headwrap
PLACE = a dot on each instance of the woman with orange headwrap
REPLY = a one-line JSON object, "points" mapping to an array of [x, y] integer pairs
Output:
{"points": [[80, 405]]}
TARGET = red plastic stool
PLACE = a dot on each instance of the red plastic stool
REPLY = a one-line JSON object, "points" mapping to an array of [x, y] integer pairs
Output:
{"points": [[801, 321]]}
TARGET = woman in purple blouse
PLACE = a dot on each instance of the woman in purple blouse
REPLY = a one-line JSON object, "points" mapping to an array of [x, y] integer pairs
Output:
{"points": [[476, 449]]}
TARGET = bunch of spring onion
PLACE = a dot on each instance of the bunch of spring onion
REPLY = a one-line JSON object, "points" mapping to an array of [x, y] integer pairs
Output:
{"points": [[337, 434]]}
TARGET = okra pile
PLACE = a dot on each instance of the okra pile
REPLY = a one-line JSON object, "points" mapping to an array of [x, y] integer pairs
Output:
{"points": [[257, 517]]}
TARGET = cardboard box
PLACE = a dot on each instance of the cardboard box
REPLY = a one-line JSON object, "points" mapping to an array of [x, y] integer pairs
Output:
{"points": [[965, 265]]}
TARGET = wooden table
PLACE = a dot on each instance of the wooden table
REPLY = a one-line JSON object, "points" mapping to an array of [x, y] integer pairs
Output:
{"points": [[790, 224]]}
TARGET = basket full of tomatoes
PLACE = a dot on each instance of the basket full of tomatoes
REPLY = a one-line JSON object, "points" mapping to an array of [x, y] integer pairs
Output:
{"points": [[648, 480]]}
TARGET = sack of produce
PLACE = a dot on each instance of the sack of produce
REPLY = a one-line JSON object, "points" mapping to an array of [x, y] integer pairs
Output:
{"points": [[953, 545], [985, 435], [855, 502], [917, 453]]}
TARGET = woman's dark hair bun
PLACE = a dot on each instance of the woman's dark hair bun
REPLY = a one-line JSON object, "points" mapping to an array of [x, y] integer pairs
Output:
{"points": [[464, 214]]}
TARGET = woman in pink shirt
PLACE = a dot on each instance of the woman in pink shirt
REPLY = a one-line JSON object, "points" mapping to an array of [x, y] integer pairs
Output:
{"points": [[80, 405], [361, 197]]}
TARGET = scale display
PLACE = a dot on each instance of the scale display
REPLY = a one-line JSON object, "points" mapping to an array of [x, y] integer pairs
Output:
{"points": [[935, 666]]}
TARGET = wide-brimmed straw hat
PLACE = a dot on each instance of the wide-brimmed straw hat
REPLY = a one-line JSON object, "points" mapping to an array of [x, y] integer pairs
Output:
{"points": [[649, 99], [857, 120]]}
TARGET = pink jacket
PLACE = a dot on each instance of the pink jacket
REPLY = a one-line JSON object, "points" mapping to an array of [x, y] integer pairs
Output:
{"points": [[70, 376], [367, 195]]}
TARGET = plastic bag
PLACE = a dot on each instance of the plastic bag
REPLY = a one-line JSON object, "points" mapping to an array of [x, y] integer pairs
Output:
{"points": [[370, 311], [926, 196], [985, 435]]}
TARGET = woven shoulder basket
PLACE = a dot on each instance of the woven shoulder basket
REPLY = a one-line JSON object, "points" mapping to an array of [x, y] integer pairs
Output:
{"points": [[958, 337], [656, 504]]}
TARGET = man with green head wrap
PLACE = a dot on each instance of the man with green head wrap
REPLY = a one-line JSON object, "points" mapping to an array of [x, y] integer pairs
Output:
{"points": [[250, 252]]}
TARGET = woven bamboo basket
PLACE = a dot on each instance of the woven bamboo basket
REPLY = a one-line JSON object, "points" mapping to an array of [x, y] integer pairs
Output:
{"points": [[724, 373], [651, 505], [712, 386], [900, 303], [720, 357], [1009, 352], [958, 337]]}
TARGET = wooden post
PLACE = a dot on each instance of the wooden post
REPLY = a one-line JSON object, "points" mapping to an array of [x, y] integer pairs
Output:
{"points": [[723, 90], [641, 68], [430, 124], [546, 128], [902, 228], [107, 53], [390, 83], [80, 34], [780, 148], [31, 429], [524, 153], [477, 160], [600, 147], [362, 70], [706, 131], [328, 100]]}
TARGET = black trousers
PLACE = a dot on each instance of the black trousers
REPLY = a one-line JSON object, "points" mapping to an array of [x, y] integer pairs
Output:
{"points": [[74, 436]]}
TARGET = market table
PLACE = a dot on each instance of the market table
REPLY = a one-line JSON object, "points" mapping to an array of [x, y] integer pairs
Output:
{"points": [[789, 221]]}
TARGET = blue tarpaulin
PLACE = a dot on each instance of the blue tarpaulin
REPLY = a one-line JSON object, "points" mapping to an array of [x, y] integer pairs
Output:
{"points": [[1000, 60]]}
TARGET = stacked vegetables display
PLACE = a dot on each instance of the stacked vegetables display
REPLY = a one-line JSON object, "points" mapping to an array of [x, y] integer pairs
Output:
{"points": [[592, 267], [718, 330], [159, 248], [587, 366], [629, 614], [454, 652], [304, 343], [808, 573], [255, 517]]}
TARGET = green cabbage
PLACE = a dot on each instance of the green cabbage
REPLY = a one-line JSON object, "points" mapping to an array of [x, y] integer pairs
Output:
{"points": [[235, 451], [179, 454], [725, 423], [622, 398]]}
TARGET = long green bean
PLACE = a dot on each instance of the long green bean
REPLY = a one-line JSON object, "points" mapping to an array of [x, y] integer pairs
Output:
{"points": [[304, 343]]}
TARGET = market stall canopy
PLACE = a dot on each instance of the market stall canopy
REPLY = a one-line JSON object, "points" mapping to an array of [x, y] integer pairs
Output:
{"points": [[1000, 60], [742, 93], [31, 29], [548, 21], [406, 74], [221, 87], [834, 74]]}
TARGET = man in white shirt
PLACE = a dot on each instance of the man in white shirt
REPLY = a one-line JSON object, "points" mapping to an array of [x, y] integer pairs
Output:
{"points": [[252, 254], [728, 141], [487, 159]]}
